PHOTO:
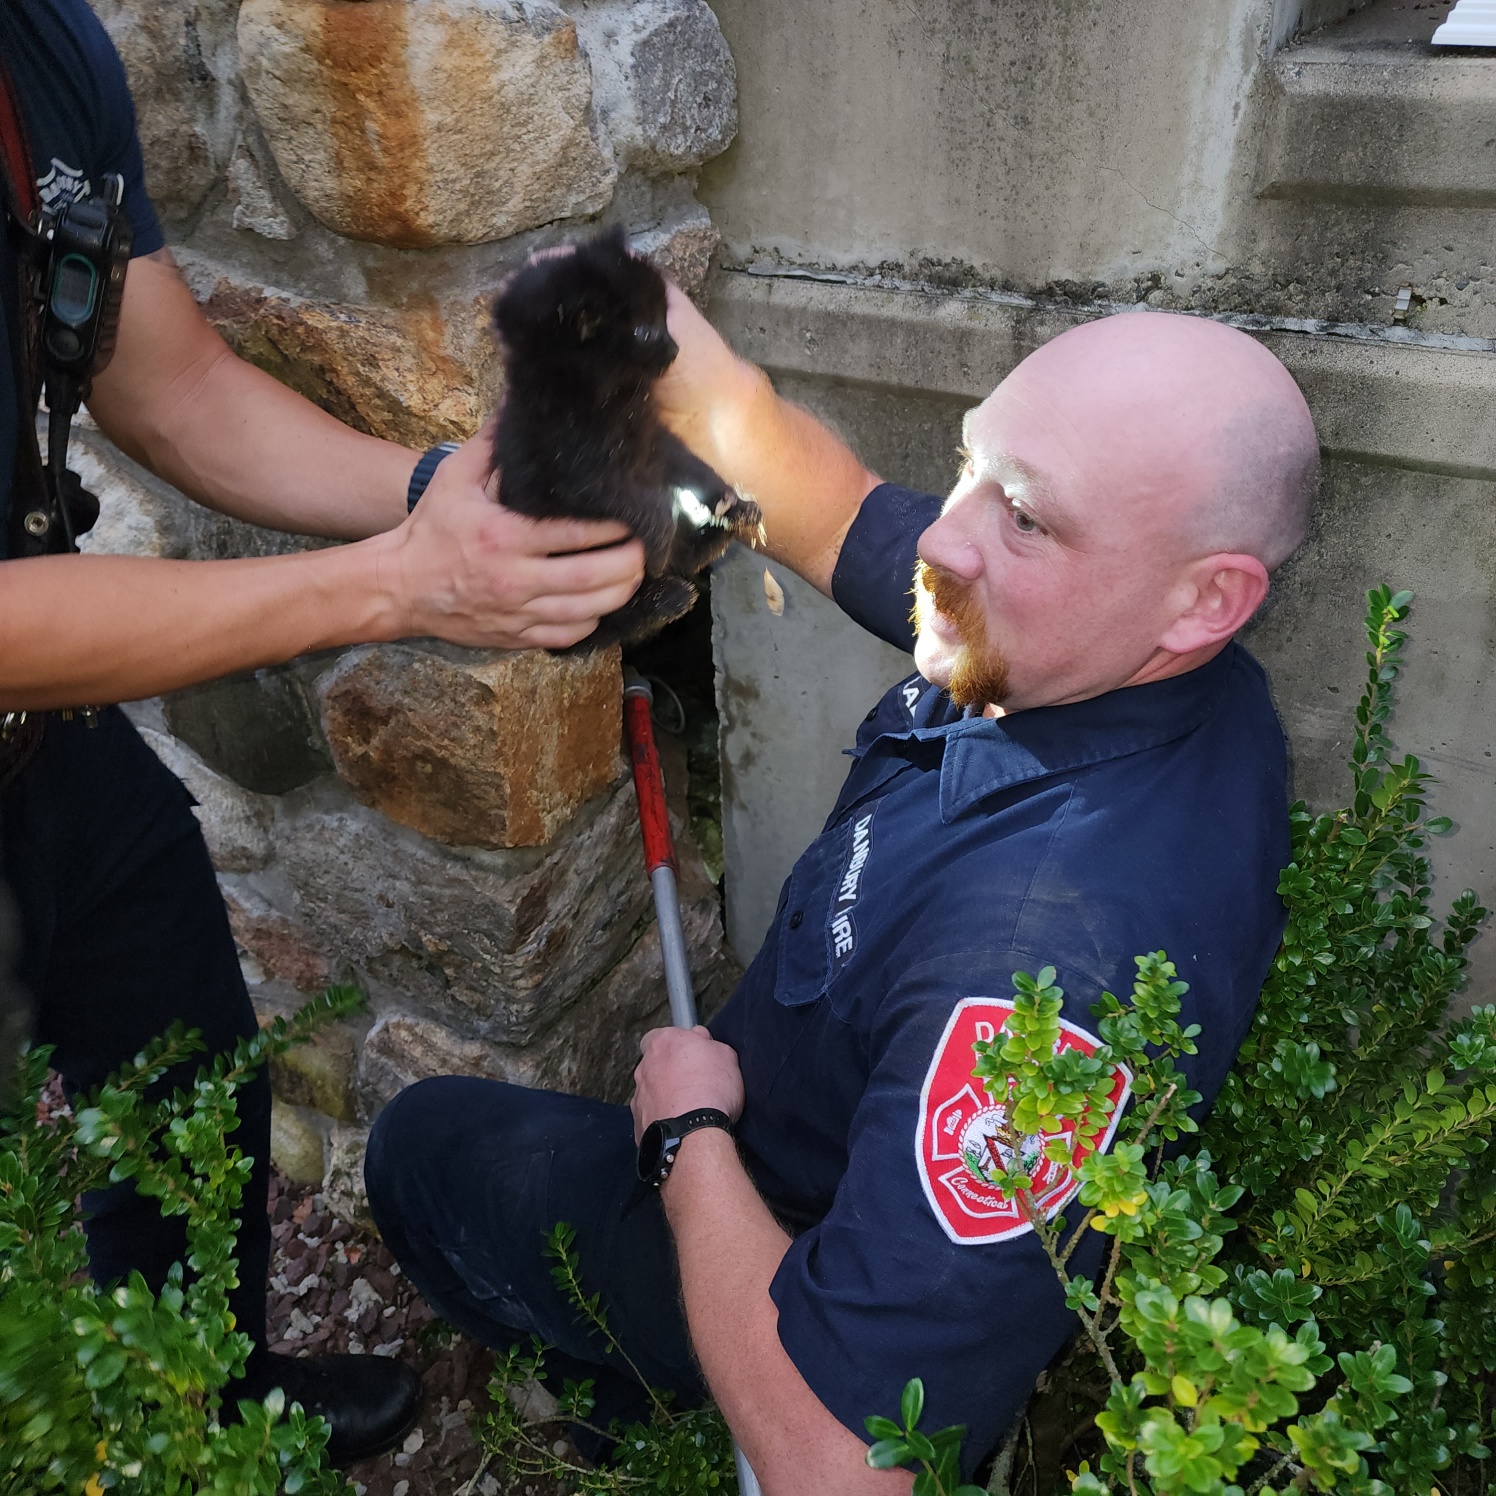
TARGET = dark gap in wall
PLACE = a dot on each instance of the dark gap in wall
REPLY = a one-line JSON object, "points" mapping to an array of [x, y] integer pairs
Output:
{"points": [[679, 658]]}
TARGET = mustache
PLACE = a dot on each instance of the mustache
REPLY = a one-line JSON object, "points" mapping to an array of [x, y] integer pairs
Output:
{"points": [[952, 597], [981, 671]]}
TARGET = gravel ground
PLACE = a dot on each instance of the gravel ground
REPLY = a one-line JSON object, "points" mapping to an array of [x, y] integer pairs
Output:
{"points": [[335, 1290]]}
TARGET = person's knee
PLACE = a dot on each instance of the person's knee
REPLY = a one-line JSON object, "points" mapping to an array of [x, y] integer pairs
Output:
{"points": [[401, 1139]]}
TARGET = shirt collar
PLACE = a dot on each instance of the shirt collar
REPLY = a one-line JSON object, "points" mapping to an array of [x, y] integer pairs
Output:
{"points": [[985, 754]]}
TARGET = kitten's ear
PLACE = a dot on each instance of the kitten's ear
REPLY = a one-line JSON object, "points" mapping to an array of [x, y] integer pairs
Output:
{"points": [[614, 239]]}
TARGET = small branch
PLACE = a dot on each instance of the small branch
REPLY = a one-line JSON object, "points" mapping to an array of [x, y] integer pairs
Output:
{"points": [[1105, 1296], [1088, 1323], [1261, 1481], [1002, 1468], [1077, 1236], [579, 1302], [1157, 1111], [469, 1486]]}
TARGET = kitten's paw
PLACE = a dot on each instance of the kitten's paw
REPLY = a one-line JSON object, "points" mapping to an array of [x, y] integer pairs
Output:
{"points": [[659, 601], [742, 517], [668, 598]]}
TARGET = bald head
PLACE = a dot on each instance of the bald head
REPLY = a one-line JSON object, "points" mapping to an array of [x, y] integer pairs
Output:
{"points": [[1128, 488], [1191, 426]]}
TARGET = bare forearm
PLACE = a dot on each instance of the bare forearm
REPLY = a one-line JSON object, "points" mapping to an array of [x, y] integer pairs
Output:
{"points": [[88, 630], [244, 444], [178, 401], [729, 1247], [809, 484], [84, 630]]}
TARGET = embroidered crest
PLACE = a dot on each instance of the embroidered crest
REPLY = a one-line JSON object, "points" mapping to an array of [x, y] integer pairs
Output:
{"points": [[63, 184], [960, 1146]]}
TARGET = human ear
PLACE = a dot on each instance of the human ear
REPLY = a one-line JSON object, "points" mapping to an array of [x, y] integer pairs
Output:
{"points": [[1223, 593]]}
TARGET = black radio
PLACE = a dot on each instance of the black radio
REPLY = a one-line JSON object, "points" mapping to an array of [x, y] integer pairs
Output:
{"points": [[80, 251], [87, 250]]}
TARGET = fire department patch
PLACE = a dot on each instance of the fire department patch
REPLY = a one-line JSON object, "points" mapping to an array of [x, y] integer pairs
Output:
{"points": [[960, 1128]]}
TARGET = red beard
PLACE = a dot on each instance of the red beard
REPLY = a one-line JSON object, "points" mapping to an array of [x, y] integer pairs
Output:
{"points": [[980, 674]]}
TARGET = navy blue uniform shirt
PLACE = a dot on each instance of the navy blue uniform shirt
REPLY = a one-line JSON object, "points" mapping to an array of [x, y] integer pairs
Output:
{"points": [[80, 123], [960, 851]]}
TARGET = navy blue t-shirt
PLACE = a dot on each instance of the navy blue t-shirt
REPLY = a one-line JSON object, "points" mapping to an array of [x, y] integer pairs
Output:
{"points": [[960, 851], [80, 123]]}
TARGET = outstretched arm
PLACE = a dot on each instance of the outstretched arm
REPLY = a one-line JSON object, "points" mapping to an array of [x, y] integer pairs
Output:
{"points": [[807, 482], [77, 630], [225, 433], [80, 630]]}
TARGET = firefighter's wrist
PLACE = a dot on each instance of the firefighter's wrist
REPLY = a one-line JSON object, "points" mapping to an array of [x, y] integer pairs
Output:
{"points": [[702, 1156]]}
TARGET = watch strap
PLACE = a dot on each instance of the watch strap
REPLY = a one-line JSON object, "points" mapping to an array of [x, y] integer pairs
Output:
{"points": [[673, 1131], [431, 459]]}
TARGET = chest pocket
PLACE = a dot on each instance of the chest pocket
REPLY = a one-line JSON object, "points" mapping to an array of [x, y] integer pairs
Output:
{"points": [[818, 935]]}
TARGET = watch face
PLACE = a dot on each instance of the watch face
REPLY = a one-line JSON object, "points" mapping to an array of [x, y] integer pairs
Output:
{"points": [[651, 1151]]}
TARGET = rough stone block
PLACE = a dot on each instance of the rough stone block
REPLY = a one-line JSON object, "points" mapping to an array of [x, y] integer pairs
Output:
{"points": [[590, 1051], [452, 121], [474, 749], [135, 519], [343, 1184], [683, 251], [663, 80], [420, 374], [256, 205], [283, 948], [319, 1074], [260, 730], [595, 1053], [236, 823], [180, 60], [297, 1143], [403, 1048], [500, 942]]}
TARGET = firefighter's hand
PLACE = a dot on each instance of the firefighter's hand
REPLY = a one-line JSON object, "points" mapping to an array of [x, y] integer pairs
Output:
{"points": [[465, 569], [681, 1071]]}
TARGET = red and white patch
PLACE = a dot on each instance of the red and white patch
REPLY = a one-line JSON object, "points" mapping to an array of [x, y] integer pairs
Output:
{"points": [[958, 1148]]}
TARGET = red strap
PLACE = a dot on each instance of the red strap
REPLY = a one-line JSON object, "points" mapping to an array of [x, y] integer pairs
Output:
{"points": [[649, 783], [14, 148]]}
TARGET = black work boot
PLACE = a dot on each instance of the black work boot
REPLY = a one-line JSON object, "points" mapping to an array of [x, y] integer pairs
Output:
{"points": [[370, 1402]]}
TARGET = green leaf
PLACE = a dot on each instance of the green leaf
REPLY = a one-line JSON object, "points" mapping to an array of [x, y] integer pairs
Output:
{"points": [[912, 1403], [887, 1453]]}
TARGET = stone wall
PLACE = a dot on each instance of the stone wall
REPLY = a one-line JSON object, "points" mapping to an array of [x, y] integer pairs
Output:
{"points": [[344, 185]]}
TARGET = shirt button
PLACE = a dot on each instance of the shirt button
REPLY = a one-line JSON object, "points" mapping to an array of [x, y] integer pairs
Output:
{"points": [[796, 919], [873, 713]]}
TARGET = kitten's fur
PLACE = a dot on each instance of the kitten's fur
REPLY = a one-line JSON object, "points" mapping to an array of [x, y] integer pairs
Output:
{"points": [[584, 338]]}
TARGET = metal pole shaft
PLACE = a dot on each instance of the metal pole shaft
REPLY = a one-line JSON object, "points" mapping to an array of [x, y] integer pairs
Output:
{"points": [[673, 948], [747, 1481], [659, 856]]}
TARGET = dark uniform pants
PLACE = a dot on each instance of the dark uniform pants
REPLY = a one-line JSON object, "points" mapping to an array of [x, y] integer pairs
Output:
{"points": [[123, 931], [466, 1177]]}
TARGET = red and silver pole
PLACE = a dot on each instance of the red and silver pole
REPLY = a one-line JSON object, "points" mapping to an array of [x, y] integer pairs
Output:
{"points": [[659, 848], [659, 860]]}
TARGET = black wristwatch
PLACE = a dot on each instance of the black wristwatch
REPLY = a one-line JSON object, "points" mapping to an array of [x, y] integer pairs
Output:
{"points": [[425, 468], [661, 1141]]}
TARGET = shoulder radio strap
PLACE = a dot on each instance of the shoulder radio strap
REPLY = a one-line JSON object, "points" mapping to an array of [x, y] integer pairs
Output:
{"points": [[29, 493], [20, 179]]}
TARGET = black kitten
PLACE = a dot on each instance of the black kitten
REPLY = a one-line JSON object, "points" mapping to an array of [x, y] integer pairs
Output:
{"points": [[584, 339]]}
